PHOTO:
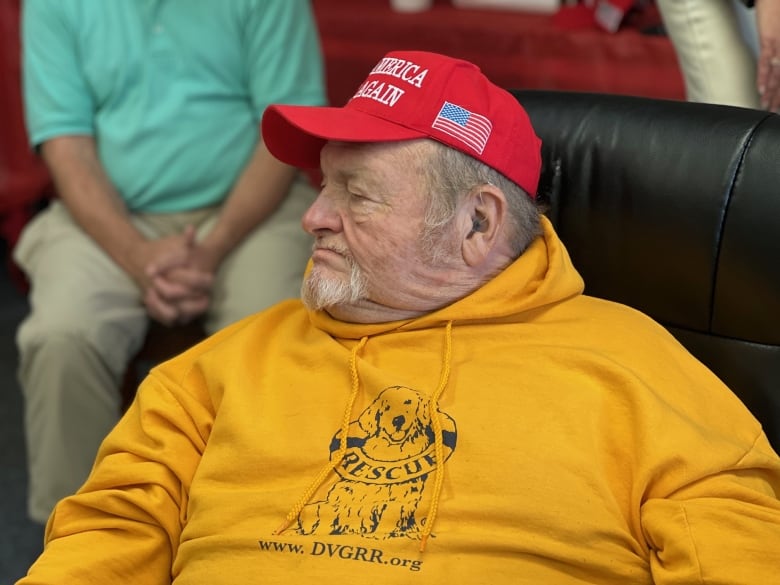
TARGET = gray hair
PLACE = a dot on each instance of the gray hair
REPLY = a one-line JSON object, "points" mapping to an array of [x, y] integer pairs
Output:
{"points": [[452, 174]]}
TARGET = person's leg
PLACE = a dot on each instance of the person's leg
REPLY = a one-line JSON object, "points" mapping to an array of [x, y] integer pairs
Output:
{"points": [[716, 63], [746, 17], [267, 266], [85, 323]]}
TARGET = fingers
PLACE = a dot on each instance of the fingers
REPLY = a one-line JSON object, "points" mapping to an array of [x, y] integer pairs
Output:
{"points": [[167, 262], [767, 16], [173, 251], [178, 296], [189, 236], [191, 309], [768, 77], [178, 284], [181, 297], [174, 313], [770, 96], [178, 289], [158, 309]]}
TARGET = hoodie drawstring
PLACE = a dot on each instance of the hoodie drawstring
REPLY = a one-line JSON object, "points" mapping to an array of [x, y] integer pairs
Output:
{"points": [[339, 455], [438, 445]]}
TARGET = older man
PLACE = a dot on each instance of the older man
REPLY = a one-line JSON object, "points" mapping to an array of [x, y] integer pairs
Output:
{"points": [[444, 405]]}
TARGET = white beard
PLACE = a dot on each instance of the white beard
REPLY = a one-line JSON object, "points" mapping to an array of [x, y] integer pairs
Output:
{"points": [[319, 292], [437, 248]]}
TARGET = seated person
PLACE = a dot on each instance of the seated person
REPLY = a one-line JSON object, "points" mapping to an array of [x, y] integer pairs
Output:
{"points": [[728, 50], [169, 206], [444, 404]]}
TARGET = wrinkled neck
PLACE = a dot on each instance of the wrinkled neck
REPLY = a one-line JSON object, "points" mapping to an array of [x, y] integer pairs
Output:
{"points": [[408, 304]]}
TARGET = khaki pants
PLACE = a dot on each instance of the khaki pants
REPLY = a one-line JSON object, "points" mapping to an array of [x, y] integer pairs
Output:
{"points": [[87, 321], [718, 62]]}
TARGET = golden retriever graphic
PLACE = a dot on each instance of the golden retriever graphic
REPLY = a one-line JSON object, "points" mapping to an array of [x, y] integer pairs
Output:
{"points": [[390, 454]]}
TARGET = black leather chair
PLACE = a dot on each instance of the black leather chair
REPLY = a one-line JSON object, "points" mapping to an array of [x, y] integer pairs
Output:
{"points": [[674, 208]]}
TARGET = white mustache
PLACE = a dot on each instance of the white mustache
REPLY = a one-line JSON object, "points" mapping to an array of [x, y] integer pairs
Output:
{"points": [[342, 250]]}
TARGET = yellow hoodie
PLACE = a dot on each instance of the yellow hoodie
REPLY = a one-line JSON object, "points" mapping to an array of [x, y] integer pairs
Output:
{"points": [[537, 435]]}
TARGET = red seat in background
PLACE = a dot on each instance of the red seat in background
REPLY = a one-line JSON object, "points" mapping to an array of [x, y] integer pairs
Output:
{"points": [[24, 180], [515, 49]]}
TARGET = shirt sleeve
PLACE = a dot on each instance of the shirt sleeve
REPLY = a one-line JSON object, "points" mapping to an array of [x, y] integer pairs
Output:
{"points": [[125, 523], [57, 99], [724, 528], [284, 58]]}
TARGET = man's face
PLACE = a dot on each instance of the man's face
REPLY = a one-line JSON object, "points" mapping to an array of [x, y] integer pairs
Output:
{"points": [[369, 262]]}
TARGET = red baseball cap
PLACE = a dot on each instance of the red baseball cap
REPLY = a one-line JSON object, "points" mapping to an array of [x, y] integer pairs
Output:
{"points": [[416, 94]]}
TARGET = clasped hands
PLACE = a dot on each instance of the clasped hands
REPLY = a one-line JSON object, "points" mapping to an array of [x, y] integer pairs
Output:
{"points": [[178, 278]]}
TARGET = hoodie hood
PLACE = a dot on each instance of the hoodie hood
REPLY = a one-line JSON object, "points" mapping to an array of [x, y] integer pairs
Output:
{"points": [[541, 276]]}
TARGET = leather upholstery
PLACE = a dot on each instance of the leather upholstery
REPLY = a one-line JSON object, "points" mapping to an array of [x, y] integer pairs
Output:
{"points": [[674, 208]]}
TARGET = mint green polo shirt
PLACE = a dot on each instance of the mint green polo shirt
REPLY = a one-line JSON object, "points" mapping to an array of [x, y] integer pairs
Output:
{"points": [[172, 90]]}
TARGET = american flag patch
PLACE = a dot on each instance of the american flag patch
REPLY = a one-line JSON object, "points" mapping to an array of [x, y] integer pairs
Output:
{"points": [[468, 127]]}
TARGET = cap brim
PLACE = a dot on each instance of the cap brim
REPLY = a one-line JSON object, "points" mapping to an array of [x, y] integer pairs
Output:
{"points": [[296, 134]]}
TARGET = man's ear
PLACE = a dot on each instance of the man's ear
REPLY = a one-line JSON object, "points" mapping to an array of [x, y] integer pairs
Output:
{"points": [[483, 214]]}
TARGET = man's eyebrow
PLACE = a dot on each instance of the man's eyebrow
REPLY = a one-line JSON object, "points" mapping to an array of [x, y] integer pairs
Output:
{"points": [[358, 174]]}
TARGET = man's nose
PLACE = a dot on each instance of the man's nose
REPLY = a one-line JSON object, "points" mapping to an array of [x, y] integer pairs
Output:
{"points": [[321, 215]]}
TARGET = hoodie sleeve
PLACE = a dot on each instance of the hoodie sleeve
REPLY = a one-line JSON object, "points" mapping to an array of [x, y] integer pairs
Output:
{"points": [[123, 525], [724, 528]]}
